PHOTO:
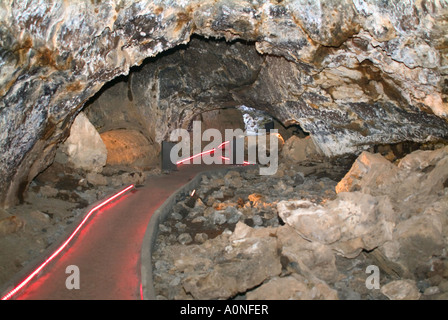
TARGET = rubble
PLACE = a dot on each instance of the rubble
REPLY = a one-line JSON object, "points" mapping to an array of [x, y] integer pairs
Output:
{"points": [[315, 237]]}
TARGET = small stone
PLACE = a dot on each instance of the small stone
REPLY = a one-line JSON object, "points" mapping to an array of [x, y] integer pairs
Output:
{"points": [[443, 286], [199, 219], [195, 213], [235, 217], [164, 228], [258, 221], [180, 226], [228, 193], [255, 197], [40, 216], [200, 237], [422, 285], [298, 180], [219, 195], [199, 204], [218, 218], [176, 216], [96, 179], [431, 290], [185, 238], [401, 290]]}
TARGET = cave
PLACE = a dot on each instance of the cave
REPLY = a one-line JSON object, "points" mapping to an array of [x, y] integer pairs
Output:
{"points": [[357, 94]]}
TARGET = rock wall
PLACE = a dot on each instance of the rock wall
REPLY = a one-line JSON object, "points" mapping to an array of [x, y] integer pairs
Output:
{"points": [[352, 73]]}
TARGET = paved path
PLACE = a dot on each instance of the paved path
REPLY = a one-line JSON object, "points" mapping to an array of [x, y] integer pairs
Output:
{"points": [[107, 249]]}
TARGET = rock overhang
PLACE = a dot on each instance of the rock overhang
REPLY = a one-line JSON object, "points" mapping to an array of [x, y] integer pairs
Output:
{"points": [[57, 55]]}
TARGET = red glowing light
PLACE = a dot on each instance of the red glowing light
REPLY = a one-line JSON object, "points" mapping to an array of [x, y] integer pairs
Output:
{"points": [[203, 153], [141, 291], [222, 144], [207, 152], [35, 272], [195, 156]]}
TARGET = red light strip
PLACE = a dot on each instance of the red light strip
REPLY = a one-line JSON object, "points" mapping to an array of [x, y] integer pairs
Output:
{"points": [[195, 156], [35, 272], [207, 152], [202, 153], [141, 291], [222, 144]]}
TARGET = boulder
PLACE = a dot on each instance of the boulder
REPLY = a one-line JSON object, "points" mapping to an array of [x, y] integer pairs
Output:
{"points": [[352, 222], [249, 258], [298, 149], [294, 287], [415, 243], [247, 264], [401, 290], [10, 225], [84, 149], [416, 190], [368, 171], [429, 169], [305, 257]]}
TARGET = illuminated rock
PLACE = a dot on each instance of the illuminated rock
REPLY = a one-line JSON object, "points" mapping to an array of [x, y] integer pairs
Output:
{"points": [[129, 148], [350, 223], [84, 147]]}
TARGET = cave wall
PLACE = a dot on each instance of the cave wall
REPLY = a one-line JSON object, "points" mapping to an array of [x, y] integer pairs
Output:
{"points": [[350, 72]]}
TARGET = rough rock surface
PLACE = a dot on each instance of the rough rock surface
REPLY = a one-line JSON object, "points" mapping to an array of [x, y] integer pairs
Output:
{"points": [[351, 223], [351, 73], [324, 241], [297, 149], [401, 290], [129, 148], [84, 149], [293, 287]]}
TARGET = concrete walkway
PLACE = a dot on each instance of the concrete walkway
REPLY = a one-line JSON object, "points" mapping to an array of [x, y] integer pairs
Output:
{"points": [[107, 249]]}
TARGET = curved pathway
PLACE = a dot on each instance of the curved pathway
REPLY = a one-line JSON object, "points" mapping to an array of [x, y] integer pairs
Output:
{"points": [[107, 249]]}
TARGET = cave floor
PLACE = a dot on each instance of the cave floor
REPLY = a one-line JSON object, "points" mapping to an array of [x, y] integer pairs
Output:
{"points": [[107, 250]]}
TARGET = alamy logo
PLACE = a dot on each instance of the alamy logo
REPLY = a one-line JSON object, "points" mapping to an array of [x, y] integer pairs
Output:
{"points": [[233, 149], [72, 281], [373, 281]]}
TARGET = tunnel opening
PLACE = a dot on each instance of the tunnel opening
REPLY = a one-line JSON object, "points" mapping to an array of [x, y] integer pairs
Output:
{"points": [[226, 85], [134, 113]]}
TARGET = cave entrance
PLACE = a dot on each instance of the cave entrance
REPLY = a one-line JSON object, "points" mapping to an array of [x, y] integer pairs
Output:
{"points": [[120, 129]]}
